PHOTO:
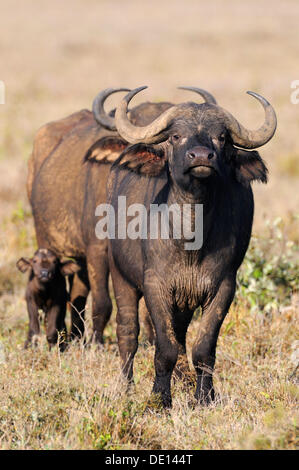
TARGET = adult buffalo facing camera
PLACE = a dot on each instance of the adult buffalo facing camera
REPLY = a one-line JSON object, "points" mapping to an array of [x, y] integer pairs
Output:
{"points": [[191, 154]]}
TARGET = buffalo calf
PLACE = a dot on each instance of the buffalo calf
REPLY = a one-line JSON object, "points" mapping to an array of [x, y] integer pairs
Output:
{"points": [[46, 290]]}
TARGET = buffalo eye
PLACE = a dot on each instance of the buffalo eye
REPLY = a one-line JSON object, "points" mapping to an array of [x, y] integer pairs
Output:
{"points": [[175, 138], [222, 138]]}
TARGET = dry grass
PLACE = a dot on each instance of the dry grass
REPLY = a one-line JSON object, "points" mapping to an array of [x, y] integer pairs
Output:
{"points": [[54, 60], [77, 400]]}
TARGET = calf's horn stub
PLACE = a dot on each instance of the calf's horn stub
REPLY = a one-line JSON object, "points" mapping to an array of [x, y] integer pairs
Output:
{"points": [[98, 108], [203, 93], [246, 138]]}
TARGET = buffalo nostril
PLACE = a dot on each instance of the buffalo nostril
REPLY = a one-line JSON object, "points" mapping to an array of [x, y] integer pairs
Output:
{"points": [[211, 155], [191, 155]]}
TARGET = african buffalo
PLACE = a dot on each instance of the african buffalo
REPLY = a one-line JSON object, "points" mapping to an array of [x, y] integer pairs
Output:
{"points": [[67, 177], [46, 290], [194, 154]]}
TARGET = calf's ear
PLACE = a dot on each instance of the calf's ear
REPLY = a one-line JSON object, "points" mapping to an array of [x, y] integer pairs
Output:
{"points": [[23, 264], [69, 267], [143, 159], [105, 150], [249, 166]]}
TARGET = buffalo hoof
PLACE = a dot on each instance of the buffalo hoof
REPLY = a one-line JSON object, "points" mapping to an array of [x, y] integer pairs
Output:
{"points": [[157, 403], [33, 342]]}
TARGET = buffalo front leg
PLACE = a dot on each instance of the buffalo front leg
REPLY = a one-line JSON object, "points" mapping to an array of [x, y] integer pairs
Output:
{"points": [[34, 323], [79, 289], [159, 304], [146, 322], [55, 325], [98, 275], [127, 298], [204, 348]]}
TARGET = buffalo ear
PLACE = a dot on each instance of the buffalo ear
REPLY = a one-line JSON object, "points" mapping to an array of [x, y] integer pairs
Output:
{"points": [[23, 264], [69, 267], [105, 150], [249, 166], [143, 159]]}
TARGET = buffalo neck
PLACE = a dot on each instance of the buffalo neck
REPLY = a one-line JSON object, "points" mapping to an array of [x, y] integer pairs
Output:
{"points": [[202, 192], [205, 193]]}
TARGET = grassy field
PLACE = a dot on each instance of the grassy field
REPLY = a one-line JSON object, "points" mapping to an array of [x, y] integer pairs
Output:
{"points": [[55, 57]]}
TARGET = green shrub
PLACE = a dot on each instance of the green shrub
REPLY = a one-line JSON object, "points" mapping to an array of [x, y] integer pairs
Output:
{"points": [[270, 271]]}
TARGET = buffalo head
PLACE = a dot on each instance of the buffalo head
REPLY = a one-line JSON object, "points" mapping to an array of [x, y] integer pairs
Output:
{"points": [[45, 265], [196, 142]]}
